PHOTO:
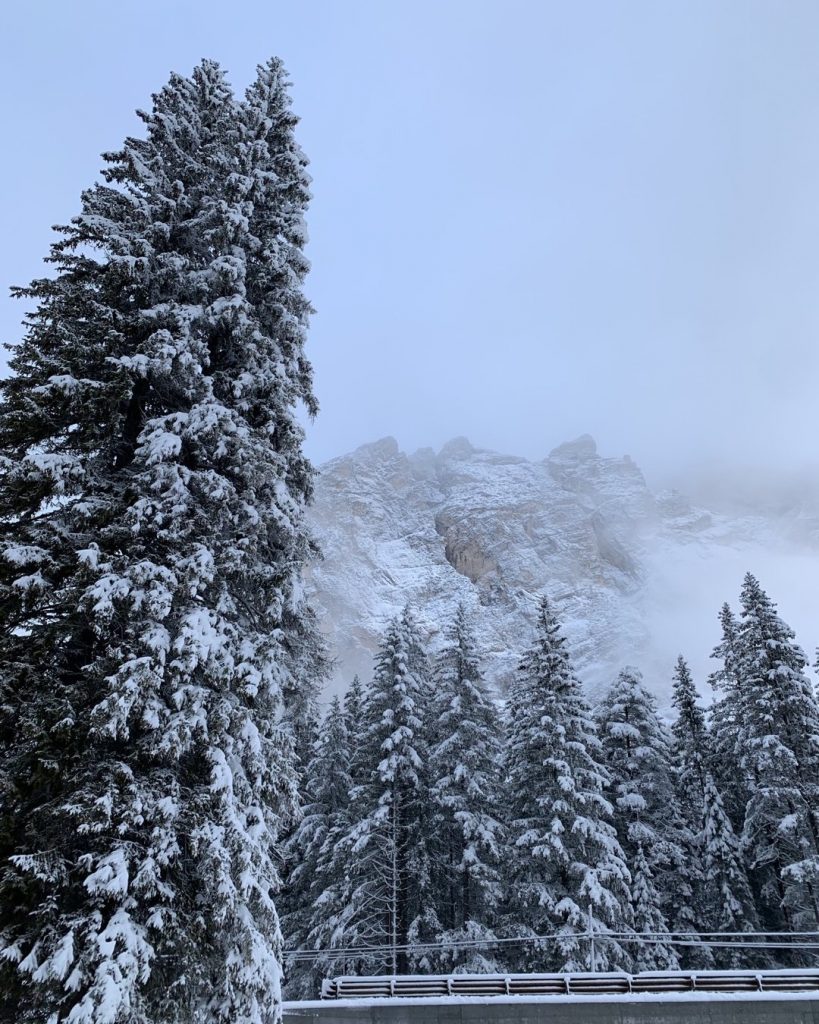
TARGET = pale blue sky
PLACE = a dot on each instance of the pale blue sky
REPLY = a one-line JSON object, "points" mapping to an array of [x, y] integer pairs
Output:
{"points": [[531, 219]]}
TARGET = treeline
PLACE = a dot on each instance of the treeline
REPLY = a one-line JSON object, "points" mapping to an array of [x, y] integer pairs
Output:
{"points": [[445, 832]]}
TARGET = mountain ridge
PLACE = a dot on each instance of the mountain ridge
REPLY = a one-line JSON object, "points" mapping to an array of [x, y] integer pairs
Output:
{"points": [[493, 531]]}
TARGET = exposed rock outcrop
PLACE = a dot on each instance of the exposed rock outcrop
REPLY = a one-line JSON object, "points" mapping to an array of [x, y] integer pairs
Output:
{"points": [[494, 531]]}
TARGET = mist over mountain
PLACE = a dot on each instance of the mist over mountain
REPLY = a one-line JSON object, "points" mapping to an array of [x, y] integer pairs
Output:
{"points": [[638, 576]]}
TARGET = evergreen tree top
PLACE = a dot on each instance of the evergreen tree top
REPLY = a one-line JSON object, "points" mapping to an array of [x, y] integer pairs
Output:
{"points": [[459, 659], [638, 756], [725, 677], [689, 729], [465, 729], [761, 624], [628, 713], [547, 659], [327, 773], [779, 713], [394, 707], [565, 854], [354, 700]]}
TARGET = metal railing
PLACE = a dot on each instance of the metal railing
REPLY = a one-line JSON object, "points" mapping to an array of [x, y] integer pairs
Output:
{"points": [[382, 986]]}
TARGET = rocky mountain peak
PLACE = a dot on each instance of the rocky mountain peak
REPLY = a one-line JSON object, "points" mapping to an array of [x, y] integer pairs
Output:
{"points": [[581, 449], [457, 448], [385, 448], [494, 531]]}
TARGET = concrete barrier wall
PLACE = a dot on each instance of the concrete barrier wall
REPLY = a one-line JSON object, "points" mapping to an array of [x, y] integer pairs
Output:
{"points": [[757, 1010]]}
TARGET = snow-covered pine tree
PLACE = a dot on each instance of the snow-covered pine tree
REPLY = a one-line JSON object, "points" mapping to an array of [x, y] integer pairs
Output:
{"points": [[779, 751], [276, 265], [637, 754], [564, 857], [465, 767], [355, 702], [309, 852], [638, 757], [319, 916], [654, 952], [725, 715], [728, 904], [690, 736], [386, 887], [153, 484], [690, 746]]}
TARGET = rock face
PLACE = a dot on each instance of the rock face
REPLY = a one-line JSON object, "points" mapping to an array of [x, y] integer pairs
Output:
{"points": [[495, 531]]}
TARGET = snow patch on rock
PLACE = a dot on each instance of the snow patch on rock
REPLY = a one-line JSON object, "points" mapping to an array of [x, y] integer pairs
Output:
{"points": [[635, 577]]}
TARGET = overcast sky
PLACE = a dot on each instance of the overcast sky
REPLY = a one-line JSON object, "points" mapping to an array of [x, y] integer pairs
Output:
{"points": [[531, 219]]}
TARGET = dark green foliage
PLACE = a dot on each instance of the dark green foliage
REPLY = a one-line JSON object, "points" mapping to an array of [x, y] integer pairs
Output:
{"points": [[152, 487], [563, 854]]}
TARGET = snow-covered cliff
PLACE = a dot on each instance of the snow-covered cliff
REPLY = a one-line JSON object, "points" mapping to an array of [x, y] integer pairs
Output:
{"points": [[636, 576]]}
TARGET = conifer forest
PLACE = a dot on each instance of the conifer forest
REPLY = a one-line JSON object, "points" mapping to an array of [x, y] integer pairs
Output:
{"points": [[446, 830]]}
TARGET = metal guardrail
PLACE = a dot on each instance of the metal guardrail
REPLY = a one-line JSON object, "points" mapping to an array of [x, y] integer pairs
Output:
{"points": [[385, 986]]}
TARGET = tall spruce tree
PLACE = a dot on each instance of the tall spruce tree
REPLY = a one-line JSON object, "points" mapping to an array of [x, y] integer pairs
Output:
{"points": [[779, 751], [565, 863], [465, 767], [354, 700], [309, 853], [384, 859], [319, 908], [637, 754], [152, 485], [725, 717], [690, 735], [690, 746]]}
